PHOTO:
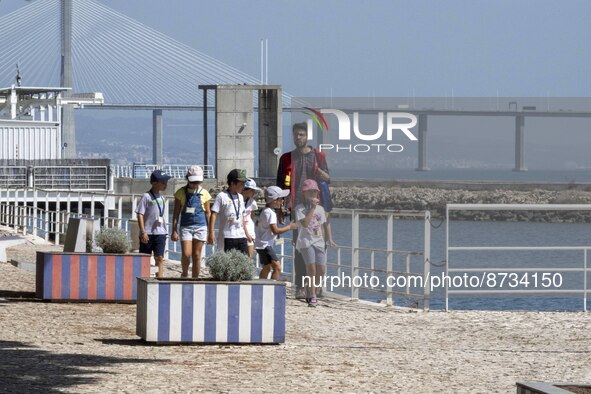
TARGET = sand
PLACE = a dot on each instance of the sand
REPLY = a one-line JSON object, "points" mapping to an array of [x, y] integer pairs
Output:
{"points": [[340, 346]]}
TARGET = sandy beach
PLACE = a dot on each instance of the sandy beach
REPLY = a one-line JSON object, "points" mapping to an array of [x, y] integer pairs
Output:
{"points": [[340, 346]]}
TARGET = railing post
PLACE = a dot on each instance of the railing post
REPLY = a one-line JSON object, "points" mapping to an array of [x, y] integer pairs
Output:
{"points": [[446, 294], [133, 207], [46, 224], [354, 253], [25, 215], [339, 266], [120, 210], [58, 218], [585, 280], [35, 211], [389, 257], [407, 274], [92, 205], [427, 261], [166, 217], [14, 212]]}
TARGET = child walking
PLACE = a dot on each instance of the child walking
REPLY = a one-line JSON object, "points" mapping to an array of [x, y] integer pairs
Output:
{"points": [[229, 207], [191, 203], [310, 218], [267, 231], [250, 207], [151, 221]]}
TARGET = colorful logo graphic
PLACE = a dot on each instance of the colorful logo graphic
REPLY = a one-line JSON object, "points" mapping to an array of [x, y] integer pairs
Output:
{"points": [[317, 117]]}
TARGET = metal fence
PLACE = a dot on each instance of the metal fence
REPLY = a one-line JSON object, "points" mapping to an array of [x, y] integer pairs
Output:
{"points": [[58, 177], [494, 275], [45, 213], [139, 170], [13, 177]]}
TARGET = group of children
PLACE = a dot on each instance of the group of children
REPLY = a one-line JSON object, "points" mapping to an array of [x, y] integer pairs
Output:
{"points": [[234, 209]]}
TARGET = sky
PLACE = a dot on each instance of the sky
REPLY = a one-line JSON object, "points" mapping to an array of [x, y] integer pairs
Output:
{"points": [[387, 47], [394, 48]]}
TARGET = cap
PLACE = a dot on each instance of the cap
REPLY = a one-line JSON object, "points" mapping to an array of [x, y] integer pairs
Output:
{"points": [[237, 175], [159, 176], [310, 184], [251, 184], [195, 174], [273, 193]]}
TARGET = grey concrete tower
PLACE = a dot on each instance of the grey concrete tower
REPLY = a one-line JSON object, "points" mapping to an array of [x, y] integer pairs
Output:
{"points": [[68, 126]]}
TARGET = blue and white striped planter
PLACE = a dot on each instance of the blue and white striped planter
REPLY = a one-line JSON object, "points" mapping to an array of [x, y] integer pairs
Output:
{"points": [[201, 311]]}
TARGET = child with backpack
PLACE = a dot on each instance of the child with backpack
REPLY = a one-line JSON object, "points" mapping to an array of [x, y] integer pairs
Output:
{"points": [[191, 204]]}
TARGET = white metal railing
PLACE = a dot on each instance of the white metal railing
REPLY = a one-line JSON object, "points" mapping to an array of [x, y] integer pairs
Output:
{"points": [[71, 177], [144, 170], [496, 270], [13, 176], [45, 213], [380, 262]]}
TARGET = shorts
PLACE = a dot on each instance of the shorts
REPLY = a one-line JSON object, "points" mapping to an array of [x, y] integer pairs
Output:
{"points": [[194, 232], [236, 243], [314, 254], [267, 255], [156, 243]]}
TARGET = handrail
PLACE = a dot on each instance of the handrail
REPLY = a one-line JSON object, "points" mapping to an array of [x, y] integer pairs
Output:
{"points": [[50, 212], [513, 270]]}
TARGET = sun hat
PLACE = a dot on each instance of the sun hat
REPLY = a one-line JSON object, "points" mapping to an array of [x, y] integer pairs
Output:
{"points": [[273, 193], [195, 174], [310, 184], [251, 184]]}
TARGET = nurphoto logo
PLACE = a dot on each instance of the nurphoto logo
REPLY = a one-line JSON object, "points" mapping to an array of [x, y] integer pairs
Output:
{"points": [[395, 121]]}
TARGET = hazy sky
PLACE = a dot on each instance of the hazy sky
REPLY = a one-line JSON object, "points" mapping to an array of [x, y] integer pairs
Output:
{"points": [[348, 48], [387, 47]]}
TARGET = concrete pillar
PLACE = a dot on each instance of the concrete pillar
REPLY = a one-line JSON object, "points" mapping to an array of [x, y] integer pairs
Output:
{"points": [[205, 150], [519, 143], [422, 165], [270, 136], [68, 125], [157, 137], [234, 131]]}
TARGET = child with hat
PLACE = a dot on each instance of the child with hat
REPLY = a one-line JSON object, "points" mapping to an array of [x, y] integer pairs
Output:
{"points": [[191, 204], [310, 217], [267, 231], [250, 207], [229, 207], [151, 220]]}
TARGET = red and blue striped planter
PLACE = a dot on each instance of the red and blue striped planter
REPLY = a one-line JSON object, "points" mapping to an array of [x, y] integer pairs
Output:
{"points": [[90, 276], [201, 311]]}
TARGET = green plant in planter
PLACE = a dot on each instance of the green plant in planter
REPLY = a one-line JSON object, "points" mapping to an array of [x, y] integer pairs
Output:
{"points": [[230, 266], [112, 240]]}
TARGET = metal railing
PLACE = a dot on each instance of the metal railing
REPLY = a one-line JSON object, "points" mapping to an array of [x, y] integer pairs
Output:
{"points": [[144, 170], [60, 177], [13, 177], [508, 270], [46, 213]]}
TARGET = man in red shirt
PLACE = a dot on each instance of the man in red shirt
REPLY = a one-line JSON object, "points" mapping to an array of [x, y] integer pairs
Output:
{"points": [[304, 162]]}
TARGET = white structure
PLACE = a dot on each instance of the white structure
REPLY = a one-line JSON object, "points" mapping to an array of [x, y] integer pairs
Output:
{"points": [[30, 121]]}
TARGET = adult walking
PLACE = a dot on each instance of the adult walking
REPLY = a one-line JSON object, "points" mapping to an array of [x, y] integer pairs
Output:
{"points": [[295, 167]]}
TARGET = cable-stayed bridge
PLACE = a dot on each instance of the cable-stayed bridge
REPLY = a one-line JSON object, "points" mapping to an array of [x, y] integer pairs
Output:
{"points": [[129, 62], [88, 47]]}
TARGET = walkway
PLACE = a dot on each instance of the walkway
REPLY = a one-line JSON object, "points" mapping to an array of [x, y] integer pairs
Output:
{"points": [[340, 346]]}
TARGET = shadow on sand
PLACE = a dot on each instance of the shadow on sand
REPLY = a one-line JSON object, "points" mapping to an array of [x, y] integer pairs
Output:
{"points": [[26, 368]]}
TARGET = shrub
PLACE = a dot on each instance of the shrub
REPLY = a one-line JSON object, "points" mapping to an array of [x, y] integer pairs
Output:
{"points": [[230, 266], [112, 240]]}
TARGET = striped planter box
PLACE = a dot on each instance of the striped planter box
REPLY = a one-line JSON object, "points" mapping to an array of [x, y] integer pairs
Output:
{"points": [[210, 312], [90, 277]]}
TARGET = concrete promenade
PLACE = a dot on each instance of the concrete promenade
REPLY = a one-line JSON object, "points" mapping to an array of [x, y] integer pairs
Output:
{"points": [[340, 346]]}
